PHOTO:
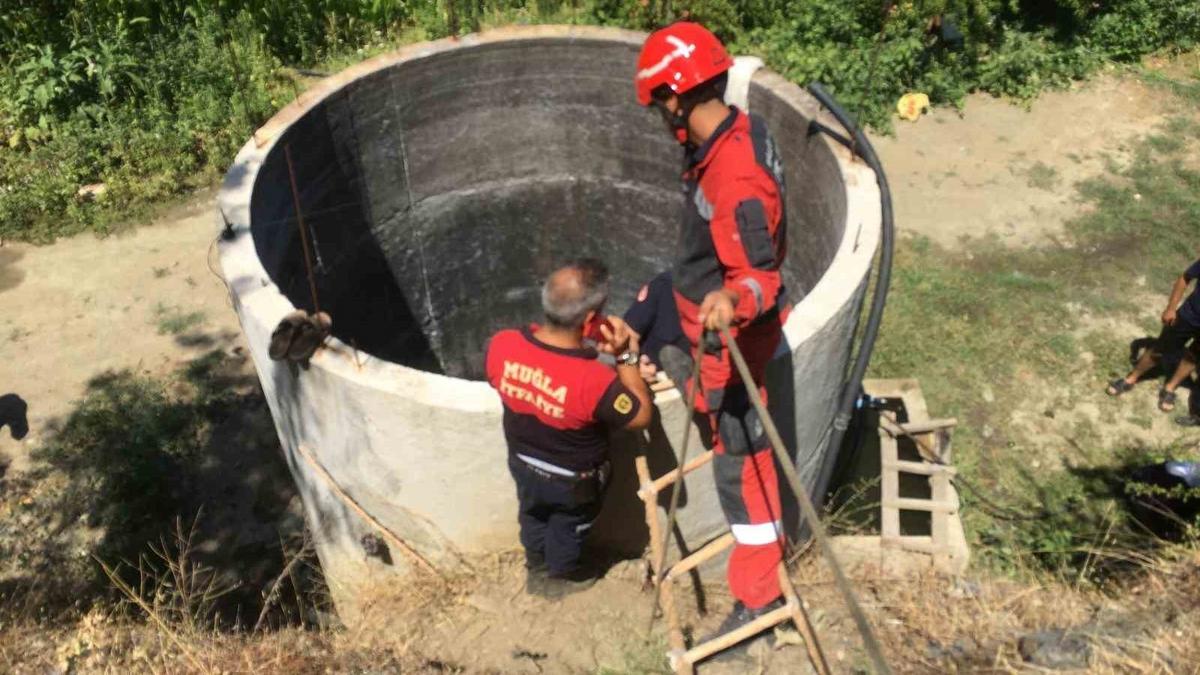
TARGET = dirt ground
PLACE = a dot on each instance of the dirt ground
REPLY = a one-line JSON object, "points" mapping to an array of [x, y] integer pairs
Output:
{"points": [[148, 300], [995, 168], [496, 627], [144, 299]]}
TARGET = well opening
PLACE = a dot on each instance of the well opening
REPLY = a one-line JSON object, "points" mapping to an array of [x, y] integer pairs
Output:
{"points": [[439, 191]]}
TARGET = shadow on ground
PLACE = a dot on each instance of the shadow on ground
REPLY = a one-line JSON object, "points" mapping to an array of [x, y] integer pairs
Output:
{"points": [[1099, 523], [137, 456]]}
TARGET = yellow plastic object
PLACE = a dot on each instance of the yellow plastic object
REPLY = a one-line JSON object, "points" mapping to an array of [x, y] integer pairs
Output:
{"points": [[911, 105]]}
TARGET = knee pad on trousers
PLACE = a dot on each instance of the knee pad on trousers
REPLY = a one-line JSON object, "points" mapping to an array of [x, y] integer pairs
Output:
{"points": [[739, 426]]}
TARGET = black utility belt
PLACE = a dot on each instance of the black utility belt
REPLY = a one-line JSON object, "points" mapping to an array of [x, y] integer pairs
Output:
{"points": [[600, 472], [585, 486]]}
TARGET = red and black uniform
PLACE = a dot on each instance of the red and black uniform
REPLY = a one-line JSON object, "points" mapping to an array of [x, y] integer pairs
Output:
{"points": [[557, 405], [734, 236]]}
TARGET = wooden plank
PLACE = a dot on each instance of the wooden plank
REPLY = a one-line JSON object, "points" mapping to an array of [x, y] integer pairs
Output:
{"points": [[702, 556], [915, 544], [932, 438], [908, 504], [913, 427], [889, 485], [922, 468], [928, 443], [942, 492], [719, 643], [816, 656], [650, 502], [673, 475], [666, 600]]}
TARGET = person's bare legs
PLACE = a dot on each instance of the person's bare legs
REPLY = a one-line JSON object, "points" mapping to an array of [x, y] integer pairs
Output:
{"points": [[1148, 360], [1166, 397], [1186, 366], [1145, 362]]}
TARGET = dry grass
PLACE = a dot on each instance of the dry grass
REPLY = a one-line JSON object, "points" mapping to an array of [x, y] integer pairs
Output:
{"points": [[1148, 624], [927, 625], [168, 623]]}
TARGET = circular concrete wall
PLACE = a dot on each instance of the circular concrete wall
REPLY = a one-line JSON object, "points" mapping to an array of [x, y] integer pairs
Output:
{"points": [[439, 185]]}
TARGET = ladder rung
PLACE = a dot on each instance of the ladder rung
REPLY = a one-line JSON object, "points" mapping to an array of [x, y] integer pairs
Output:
{"points": [[923, 468], [905, 504], [920, 427], [698, 558], [768, 620], [915, 544], [673, 475]]}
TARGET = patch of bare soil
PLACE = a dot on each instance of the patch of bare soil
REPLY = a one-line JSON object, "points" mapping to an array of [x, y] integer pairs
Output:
{"points": [[995, 168], [145, 300], [488, 623], [136, 325], [1074, 422]]}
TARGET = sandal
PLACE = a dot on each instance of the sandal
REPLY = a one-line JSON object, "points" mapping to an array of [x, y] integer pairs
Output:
{"points": [[1117, 387], [1166, 400]]}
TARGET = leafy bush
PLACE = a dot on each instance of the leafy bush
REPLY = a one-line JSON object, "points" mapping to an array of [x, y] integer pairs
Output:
{"points": [[164, 116], [153, 97]]}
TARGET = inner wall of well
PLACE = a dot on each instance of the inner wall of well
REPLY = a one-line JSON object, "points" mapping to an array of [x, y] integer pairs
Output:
{"points": [[438, 193]]}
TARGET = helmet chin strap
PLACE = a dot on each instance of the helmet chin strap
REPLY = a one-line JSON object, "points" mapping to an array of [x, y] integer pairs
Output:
{"points": [[676, 121], [680, 129]]}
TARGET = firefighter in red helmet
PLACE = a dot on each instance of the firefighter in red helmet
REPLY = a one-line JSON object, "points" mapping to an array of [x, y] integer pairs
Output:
{"points": [[727, 273]]}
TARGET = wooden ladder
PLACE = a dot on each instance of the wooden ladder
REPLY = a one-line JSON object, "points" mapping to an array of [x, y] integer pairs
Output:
{"points": [[682, 659], [933, 444]]}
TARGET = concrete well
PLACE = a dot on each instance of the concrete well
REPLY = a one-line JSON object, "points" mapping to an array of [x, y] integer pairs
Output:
{"points": [[439, 184]]}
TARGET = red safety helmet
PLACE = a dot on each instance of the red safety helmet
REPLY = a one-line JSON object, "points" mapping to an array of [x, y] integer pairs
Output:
{"points": [[681, 56]]}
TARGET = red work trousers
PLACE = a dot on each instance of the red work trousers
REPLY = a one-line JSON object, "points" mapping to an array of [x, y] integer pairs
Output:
{"points": [[744, 465]]}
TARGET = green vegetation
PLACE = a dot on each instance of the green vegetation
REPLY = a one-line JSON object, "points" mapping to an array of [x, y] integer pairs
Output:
{"points": [[991, 331], [1043, 176], [153, 98], [122, 461], [641, 657], [171, 320]]}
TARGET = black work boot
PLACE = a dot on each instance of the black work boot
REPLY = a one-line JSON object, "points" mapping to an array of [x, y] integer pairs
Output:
{"points": [[535, 569], [559, 586], [535, 561], [738, 617]]}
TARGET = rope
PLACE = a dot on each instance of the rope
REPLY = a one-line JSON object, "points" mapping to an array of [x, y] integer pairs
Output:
{"points": [[308, 266], [683, 453], [991, 508], [212, 270], [870, 641], [349, 501], [995, 510], [678, 486]]}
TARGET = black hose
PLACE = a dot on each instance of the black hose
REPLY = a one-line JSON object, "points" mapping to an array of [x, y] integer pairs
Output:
{"points": [[860, 146]]}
